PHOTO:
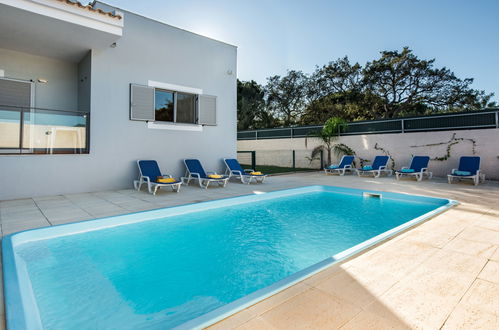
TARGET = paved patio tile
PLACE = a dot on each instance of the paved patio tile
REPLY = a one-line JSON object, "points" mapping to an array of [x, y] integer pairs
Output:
{"points": [[61, 221], [489, 222], [371, 321], [31, 213], [64, 213], [446, 224], [480, 234], [256, 310], [301, 312], [349, 288], [24, 221], [471, 247], [137, 205], [14, 228], [15, 210], [495, 256], [57, 203], [256, 323], [426, 297], [325, 274], [490, 273], [49, 198], [115, 197], [17, 202], [396, 258], [478, 309], [433, 238], [106, 212], [485, 295]]}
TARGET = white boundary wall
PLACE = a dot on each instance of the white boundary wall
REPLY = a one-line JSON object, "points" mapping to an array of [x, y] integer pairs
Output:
{"points": [[401, 147]]}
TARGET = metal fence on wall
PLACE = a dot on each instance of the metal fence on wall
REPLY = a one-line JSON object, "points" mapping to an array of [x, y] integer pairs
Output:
{"points": [[280, 161], [487, 118]]}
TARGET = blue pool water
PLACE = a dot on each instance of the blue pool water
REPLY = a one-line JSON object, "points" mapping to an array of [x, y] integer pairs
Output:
{"points": [[164, 272]]}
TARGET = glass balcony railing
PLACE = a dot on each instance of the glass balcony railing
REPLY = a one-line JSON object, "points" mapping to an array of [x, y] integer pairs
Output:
{"points": [[43, 131]]}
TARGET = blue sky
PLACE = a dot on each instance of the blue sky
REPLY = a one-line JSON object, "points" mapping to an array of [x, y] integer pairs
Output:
{"points": [[275, 36]]}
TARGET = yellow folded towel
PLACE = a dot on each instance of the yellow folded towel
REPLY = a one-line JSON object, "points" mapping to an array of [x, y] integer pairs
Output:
{"points": [[165, 180], [256, 173], [215, 176]]}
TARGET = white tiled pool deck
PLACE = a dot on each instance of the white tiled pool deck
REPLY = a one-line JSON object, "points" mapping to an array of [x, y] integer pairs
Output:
{"points": [[443, 273]]}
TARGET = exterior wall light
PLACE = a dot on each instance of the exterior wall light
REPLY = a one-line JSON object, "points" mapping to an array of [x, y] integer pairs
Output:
{"points": [[42, 81]]}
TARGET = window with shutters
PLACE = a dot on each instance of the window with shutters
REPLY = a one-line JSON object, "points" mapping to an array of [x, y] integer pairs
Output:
{"points": [[160, 105]]}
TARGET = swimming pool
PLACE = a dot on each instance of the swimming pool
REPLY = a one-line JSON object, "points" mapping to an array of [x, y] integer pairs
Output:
{"points": [[189, 266]]}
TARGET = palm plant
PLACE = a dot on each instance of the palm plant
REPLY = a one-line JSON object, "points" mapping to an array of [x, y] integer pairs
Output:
{"points": [[327, 136]]}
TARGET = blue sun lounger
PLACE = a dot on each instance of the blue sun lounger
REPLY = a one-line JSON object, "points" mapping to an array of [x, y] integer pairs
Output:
{"points": [[469, 168], [344, 165], [195, 171], [149, 173], [417, 169], [234, 169], [378, 166]]}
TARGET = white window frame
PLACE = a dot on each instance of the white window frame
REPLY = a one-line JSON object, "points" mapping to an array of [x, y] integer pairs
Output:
{"points": [[175, 93], [172, 88]]}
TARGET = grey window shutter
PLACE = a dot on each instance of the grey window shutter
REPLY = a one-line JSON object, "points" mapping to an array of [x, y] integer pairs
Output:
{"points": [[207, 110], [15, 93], [141, 102]]}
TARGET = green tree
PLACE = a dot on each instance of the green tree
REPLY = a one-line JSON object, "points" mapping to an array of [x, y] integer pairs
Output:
{"points": [[336, 90], [251, 112], [409, 85], [327, 136], [338, 76], [286, 96], [350, 106]]}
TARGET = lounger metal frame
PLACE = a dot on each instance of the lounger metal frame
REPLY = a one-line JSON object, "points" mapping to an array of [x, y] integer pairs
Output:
{"points": [[240, 175], [419, 175], [340, 171], [477, 178], [203, 182], [376, 173], [153, 187]]}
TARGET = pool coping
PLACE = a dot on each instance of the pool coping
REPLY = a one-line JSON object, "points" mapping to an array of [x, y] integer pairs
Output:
{"points": [[20, 305]]}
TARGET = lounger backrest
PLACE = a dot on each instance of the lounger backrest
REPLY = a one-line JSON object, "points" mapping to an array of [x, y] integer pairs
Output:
{"points": [[233, 165], [469, 164], [419, 162], [379, 161], [149, 168], [194, 166], [346, 160]]}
